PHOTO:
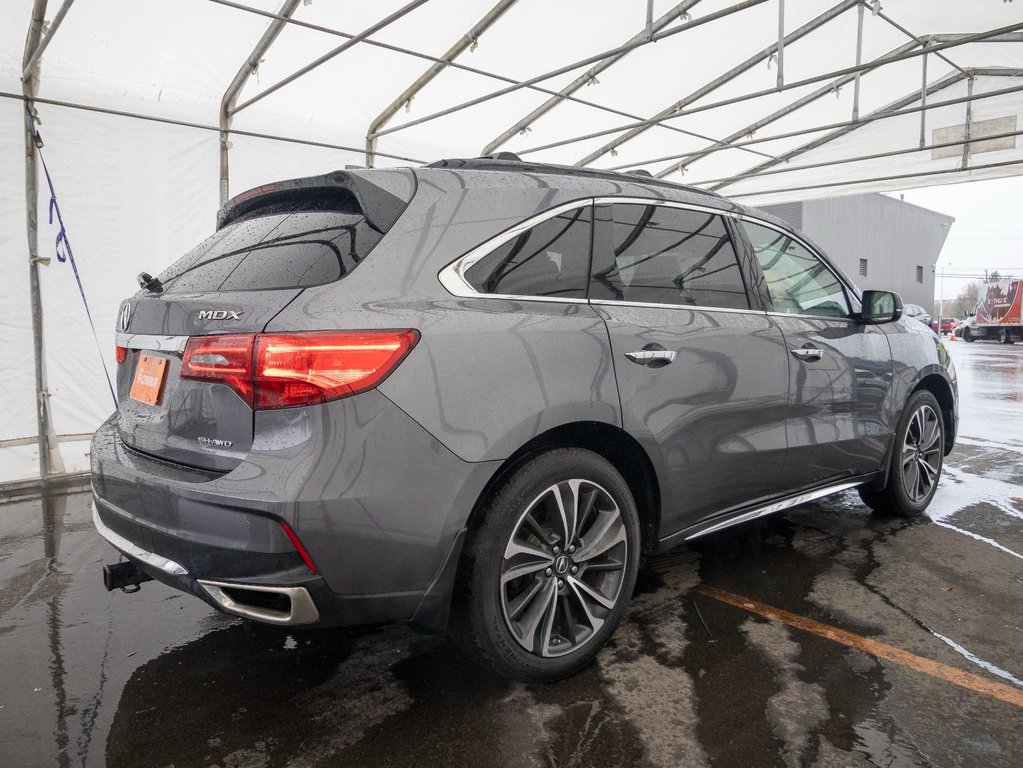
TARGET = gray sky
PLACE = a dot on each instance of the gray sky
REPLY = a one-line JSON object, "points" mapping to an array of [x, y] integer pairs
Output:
{"points": [[987, 233]]}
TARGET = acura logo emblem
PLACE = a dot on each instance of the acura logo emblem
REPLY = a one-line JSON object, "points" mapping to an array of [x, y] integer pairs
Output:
{"points": [[123, 317]]}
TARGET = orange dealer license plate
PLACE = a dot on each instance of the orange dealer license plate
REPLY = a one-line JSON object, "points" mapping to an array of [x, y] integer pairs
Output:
{"points": [[148, 381]]}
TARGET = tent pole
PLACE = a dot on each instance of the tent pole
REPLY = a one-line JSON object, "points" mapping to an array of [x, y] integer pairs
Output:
{"points": [[30, 65], [935, 43], [859, 62], [781, 43], [969, 122], [654, 26], [231, 94], [465, 41], [923, 102], [31, 224]]}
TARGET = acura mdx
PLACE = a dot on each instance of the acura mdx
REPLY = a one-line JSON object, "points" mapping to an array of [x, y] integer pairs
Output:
{"points": [[478, 393]]}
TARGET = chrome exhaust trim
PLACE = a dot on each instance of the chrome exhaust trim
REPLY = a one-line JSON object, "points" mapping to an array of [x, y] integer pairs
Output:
{"points": [[303, 609]]}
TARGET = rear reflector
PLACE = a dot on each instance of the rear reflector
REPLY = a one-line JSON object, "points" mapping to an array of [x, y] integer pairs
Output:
{"points": [[289, 369], [122, 354], [298, 546]]}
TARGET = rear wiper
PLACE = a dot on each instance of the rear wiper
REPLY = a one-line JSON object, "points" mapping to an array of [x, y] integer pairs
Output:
{"points": [[149, 283]]}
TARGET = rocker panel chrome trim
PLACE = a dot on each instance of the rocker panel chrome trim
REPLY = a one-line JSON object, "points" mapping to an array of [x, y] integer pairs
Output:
{"points": [[776, 506]]}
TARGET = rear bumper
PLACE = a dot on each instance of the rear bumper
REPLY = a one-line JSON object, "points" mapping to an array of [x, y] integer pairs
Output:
{"points": [[376, 501]]}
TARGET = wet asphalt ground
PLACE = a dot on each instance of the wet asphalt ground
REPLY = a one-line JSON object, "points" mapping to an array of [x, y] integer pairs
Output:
{"points": [[819, 637]]}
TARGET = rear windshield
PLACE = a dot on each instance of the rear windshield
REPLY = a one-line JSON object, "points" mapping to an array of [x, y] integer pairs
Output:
{"points": [[289, 245]]}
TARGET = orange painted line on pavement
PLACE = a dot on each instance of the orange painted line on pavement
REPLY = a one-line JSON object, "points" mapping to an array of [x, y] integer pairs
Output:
{"points": [[936, 669]]}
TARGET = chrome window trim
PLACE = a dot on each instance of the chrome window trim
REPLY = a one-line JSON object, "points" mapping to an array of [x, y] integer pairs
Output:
{"points": [[452, 276], [152, 343], [656, 305], [134, 550]]}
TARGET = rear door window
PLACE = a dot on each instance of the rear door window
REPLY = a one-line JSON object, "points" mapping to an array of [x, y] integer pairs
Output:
{"points": [[666, 255], [290, 248], [550, 259], [798, 281]]}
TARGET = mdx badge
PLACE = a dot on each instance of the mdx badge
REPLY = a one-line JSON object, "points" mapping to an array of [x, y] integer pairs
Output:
{"points": [[219, 314]]}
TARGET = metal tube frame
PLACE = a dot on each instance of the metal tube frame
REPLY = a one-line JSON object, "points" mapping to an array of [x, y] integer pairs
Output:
{"points": [[832, 126], [29, 66], [757, 58], [728, 142], [969, 122], [456, 50], [923, 102], [354, 40], [227, 108], [652, 28], [203, 126], [941, 42], [860, 158], [894, 109], [531, 82], [32, 42], [859, 61], [781, 44], [515, 85], [876, 179]]}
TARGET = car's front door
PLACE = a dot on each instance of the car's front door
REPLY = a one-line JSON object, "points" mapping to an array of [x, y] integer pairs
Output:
{"points": [[840, 370], [702, 376]]}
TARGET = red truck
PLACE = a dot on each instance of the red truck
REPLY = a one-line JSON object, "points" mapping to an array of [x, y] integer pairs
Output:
{"points": [[997, 315]]}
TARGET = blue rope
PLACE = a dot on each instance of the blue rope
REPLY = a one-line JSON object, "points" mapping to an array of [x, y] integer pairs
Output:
{"points": [[63, 249]]}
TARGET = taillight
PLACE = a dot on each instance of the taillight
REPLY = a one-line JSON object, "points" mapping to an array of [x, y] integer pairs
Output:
{"points": [[286, 369], [304, 368], [122, 354], [221, 359]]}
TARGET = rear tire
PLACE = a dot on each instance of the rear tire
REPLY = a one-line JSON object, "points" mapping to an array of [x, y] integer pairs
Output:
{"points": [[916, 461], [1004, 337], [542, 591]]}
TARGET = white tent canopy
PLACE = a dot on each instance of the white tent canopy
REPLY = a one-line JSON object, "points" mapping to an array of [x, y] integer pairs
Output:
{"points": [[763, 100]]}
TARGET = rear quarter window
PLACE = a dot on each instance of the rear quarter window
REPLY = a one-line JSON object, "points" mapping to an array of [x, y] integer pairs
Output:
{"points": [[286, 246]]}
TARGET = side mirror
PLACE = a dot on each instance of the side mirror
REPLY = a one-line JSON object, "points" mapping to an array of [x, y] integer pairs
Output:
{"points": [[881, 307]]}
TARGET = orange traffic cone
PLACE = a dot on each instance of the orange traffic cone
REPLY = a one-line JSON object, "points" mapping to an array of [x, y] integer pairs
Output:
{"points": [[952, 336]]}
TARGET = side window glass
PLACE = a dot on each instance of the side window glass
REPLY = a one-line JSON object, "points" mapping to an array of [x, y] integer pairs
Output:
{"points": [[798, 281], [551, 259], [664, 255]]}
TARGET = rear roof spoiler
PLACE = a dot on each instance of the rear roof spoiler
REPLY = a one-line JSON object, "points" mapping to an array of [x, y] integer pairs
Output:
{"points": [[380, 206]]}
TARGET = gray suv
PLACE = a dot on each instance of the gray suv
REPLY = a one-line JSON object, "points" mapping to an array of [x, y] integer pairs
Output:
{"points": [[478, 393]]}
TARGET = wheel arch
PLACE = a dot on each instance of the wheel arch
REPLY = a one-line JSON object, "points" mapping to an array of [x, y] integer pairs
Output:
{"points": [[937, 385], [622, 450]]}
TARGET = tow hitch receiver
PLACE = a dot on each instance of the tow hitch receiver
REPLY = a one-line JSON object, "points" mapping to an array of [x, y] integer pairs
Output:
{"points": [[124, 576]]}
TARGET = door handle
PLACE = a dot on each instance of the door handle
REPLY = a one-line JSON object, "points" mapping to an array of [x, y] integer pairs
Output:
{"points": [[808, 354], [648, 356]]}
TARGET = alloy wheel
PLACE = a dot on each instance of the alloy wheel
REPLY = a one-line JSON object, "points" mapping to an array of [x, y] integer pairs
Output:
{"points": [[921, 454], [563, 568]]}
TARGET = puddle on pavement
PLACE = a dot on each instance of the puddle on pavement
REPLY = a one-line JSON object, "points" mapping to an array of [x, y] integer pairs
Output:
{"points": [[159, 679]]}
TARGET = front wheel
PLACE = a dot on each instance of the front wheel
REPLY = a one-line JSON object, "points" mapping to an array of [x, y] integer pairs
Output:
{"points": [[968, 336], [551, 569], [916, 460]]}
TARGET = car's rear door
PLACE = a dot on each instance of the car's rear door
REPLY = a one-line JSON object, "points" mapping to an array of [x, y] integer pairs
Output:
{"points": [[840, 370], [702, 376]]}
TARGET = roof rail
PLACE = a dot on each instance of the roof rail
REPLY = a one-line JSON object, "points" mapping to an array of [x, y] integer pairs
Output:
{"points": [[508, 161]]}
